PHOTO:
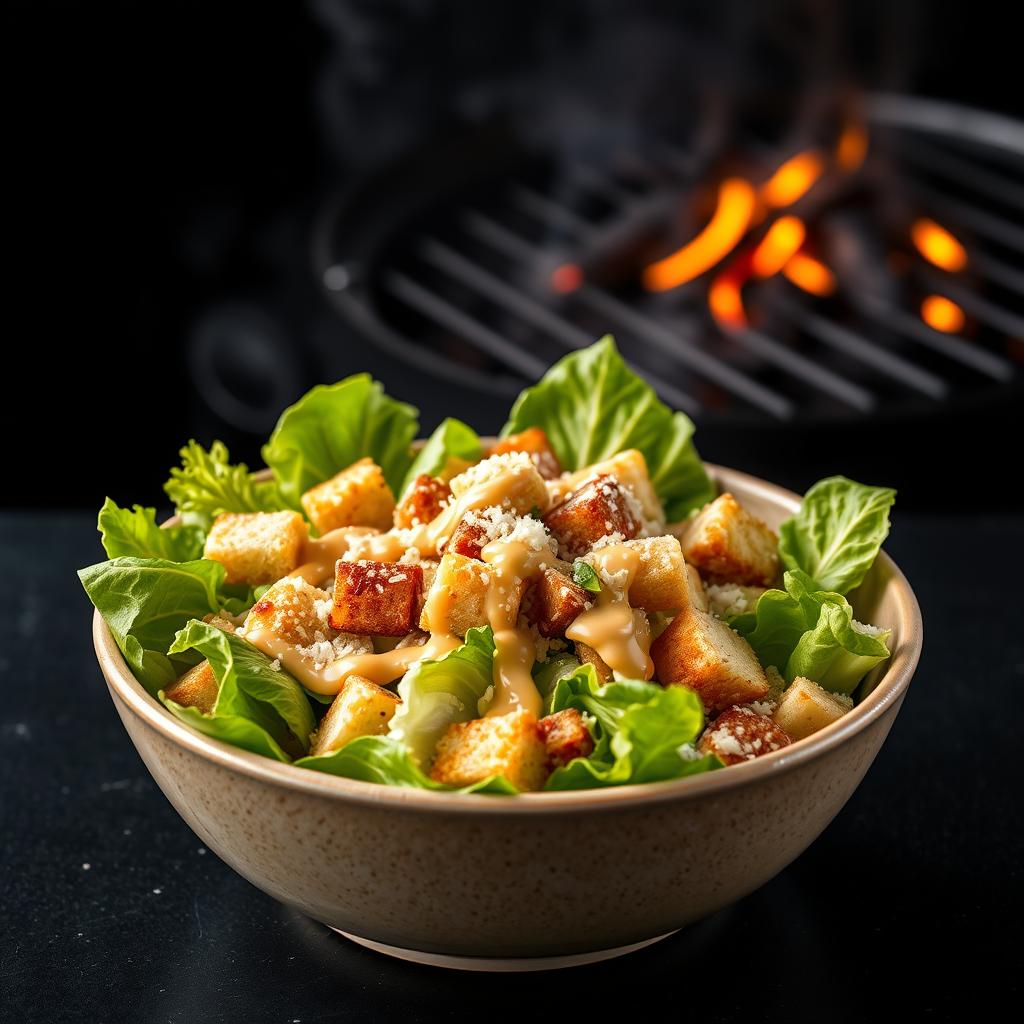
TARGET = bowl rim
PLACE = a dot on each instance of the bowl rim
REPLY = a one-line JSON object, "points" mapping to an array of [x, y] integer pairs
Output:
{"points": [[888, 691]]}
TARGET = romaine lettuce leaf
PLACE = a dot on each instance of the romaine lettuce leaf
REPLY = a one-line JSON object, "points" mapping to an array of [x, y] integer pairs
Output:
{"points": [[333, 426], [452, 439], [837, 533], [547, 673], [237, 730], [592, 406], [134, 532]]}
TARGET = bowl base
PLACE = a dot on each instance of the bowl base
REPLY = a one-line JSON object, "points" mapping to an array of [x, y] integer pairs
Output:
{"points": [[499, 964]]}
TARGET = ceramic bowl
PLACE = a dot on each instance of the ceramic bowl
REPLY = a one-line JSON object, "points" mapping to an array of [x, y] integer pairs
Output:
{"points": [[536, 880]]}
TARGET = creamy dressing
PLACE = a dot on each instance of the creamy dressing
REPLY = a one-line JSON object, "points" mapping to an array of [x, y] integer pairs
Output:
{"points": [[320, 554]]}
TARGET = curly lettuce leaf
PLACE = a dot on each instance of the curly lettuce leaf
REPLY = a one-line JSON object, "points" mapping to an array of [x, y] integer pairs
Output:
{"points": [[592, 406], [206, 484], [333, 426], [837, 533], [453, 439], [134, 532], [435, 694]]}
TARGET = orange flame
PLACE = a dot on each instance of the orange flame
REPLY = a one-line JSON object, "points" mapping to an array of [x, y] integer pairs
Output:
{"points": [[937, 245], [726, 301], [780, 243], [942, 314], [566, 278], [852, 147], [792, 180], [727, 226], [810, 274]]}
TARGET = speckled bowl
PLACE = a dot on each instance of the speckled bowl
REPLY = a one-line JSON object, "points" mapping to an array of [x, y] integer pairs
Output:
{"points": [[533, 881]]}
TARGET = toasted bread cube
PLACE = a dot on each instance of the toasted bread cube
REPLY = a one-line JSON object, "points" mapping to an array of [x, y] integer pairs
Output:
{"points": [[729, 599], [535, 443], [362, 708], [702, 652], [221, 621], [805, 707], [741, 734], [566, 737], [292, 610], [554, 601], [661, 582], [376, 598], [729, 545], [600, 508], [697, 592], [357, 496], [509, 745], [256, 547], [630, 470], [424, 499], [588, 656], [468, 538], [457, 597], [509, 481], [197, 688]]}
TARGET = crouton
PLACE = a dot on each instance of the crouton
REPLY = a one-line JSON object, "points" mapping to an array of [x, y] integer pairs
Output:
{"points": [[553, 602], [256, 547], [599, 508], [509, 745], [661, 583], [696, 591], [535, 443], [457, 597], [357, 496], [376, 598], [729, 545], [805, 707], [730, 599], [510, 480], [197, 688], [221, 621], [741, 734], [292, 610], [630, 470], [362, 708], [468, 538], [424, 499], [702, 652], [566, 737], [588, 656]]}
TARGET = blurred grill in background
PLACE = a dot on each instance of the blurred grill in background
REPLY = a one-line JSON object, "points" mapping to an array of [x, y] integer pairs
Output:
{"points": [[823, 269]]}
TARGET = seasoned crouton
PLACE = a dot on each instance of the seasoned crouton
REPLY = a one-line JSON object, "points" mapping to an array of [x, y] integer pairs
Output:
{"points": [[741, 734], [457, 598], [509, 745], [697, 592], [729, 599], [588, 656], [630, 470], [357, 496], [424, 499], [535, 443], [566, 737], [702, 652], [292, 610], [362, 708], [197, 688], [729, 545], [805, 707], [376, 598], [599, 508], [553, 602], [256, 547], [468, 538], [660, 583], [510, 481]]}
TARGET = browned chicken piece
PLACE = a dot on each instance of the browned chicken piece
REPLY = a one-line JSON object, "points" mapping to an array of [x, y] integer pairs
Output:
{"points": [[535, 443], [566, 737], [468, 539], [425, 499], [376, 598], [741, 734], [553, 602], [598, 509]]}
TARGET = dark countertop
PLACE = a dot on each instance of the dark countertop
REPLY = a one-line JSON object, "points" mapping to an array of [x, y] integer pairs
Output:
{"points": [[113, 911]]}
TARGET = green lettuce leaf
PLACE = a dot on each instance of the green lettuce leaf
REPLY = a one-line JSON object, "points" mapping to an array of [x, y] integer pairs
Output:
{"points": [[837, 533], [643, 732], [237, 730], [592, 406], [134, 532], [387, 761], [145, 601], [207, 484], [781, 617], [547, 673], [454, 688], [452, 438], [333, 426]]}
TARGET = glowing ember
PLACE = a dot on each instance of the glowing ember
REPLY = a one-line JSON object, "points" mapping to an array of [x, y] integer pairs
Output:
{"points": [[852, 147], [727, 226], [942, 314], [726, 301], [937, 245], [566, 278], [780, 243], [810, 274], [792, 180]]}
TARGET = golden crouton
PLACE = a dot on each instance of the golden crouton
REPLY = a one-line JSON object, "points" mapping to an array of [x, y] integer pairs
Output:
{"points": [[357, 496], [806, 707], [468, 538], [697, 593], [424, 499], [457, 597], [510, 481], [702, 652], [197, 688], [376, 598], [588, 656], [362, 708], [553, 602], [741, 734], [509, 745], [729, 545], [597, 509], [535, 443], [660, 583], [292, 610], [630, 470], [256, 547], [566, 737]]}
